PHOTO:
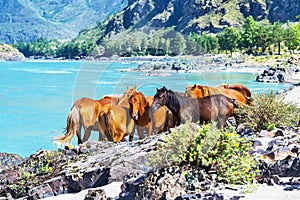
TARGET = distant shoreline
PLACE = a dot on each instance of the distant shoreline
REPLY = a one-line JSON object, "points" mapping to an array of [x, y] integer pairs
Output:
{"points": [[208, 63]]}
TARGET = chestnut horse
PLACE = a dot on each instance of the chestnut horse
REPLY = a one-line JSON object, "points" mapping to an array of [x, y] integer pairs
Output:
{"points": [[242, 89], [140, 109], [115, 121], [210, 108], [84, 113], [198, 91]]}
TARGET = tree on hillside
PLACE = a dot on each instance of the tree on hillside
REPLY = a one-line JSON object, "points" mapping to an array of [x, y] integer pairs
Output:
{"points": [[168, 42], [229, 39], [144, 45], [263, 39], [88, 48], [69, 50], [178, 44], [208, 42], [40, 47], [191, 45], [249, 34], [292, 37], [23, 48], [278, 33]]}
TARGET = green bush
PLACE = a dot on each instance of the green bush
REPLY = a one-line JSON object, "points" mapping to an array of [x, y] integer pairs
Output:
{"points": [[267, 112], [209, 148]]}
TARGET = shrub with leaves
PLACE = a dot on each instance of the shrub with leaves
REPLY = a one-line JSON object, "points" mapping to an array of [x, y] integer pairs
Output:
{"points": [[210, 148], [267, 112]]}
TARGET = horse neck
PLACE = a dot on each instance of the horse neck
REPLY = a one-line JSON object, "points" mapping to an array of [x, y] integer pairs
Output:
{"points": [[145, 104], [124, 102], [173, 103]]}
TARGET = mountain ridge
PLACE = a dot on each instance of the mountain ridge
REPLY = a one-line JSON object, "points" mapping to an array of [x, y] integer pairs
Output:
{"points": [[198, 15], [28, 20]]}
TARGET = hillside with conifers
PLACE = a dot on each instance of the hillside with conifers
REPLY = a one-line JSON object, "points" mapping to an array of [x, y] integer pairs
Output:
{"points": [[152, 27]]}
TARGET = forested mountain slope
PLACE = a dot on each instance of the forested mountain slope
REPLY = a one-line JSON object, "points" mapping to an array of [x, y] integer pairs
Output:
{"points": [[194, 15], [28, 20]]}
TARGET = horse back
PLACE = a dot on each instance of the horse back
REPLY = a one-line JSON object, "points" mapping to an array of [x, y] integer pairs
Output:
{"points": [[216, 104], [242, 89]]}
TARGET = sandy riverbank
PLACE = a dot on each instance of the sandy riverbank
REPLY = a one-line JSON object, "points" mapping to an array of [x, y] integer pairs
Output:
{"points": [[293, 95]]}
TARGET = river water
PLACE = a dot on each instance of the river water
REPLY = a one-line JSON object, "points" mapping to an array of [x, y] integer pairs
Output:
{"points": [[36, 97]]}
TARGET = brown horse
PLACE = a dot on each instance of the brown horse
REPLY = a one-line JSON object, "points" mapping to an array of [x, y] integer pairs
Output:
{"points": [[140, 109], [242, 89], [198, 91], [211, 108], [115, 120], [84, 113]]}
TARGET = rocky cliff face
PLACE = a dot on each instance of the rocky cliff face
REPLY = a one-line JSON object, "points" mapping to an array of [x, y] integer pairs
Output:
{"points": [[8, 53], [200, 15]]}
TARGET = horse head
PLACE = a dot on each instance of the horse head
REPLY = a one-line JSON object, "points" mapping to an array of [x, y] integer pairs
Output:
{"points": [[138, 103], [160, 98], [124, 100], [195, 91]]}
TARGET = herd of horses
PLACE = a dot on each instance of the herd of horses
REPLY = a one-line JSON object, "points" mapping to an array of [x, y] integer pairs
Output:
{"points": [[116, 117]]}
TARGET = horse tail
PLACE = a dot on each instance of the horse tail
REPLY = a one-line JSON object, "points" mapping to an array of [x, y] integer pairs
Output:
{"points": [[107, 120], [73, 121], [244, 91], [235, 103], [249, 100]]}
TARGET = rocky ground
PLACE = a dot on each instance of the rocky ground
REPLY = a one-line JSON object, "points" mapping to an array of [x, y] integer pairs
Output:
{"points": [[162, 66], [121, 170]]}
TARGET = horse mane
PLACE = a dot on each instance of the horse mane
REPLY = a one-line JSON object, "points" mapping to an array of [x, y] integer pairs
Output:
{"points": [[123, 101], [173, 97], [143, 101]]}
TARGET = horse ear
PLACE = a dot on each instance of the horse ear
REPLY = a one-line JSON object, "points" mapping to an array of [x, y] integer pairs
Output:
{"points": [[194, 86], [134, 87], [206, 91], [164, 89]]}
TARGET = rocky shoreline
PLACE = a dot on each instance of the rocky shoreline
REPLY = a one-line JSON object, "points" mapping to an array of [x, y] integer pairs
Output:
{"points": [[104, 169], [9, 53], [163, 66]]}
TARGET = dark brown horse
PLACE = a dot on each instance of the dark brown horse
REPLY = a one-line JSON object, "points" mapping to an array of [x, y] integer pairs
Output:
{"points": [[140, 109], [115, 121], [211, 108]]}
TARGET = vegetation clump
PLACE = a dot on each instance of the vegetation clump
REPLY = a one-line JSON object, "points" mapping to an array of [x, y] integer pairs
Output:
{"points": [[267, 112], [210, 148]]}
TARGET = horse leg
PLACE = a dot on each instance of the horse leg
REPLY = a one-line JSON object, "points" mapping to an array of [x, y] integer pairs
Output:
{"points": [[78, 133], [150, 129], [130, 130], [87, 134], [102, 128], [221, 121], [140, 131]]}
